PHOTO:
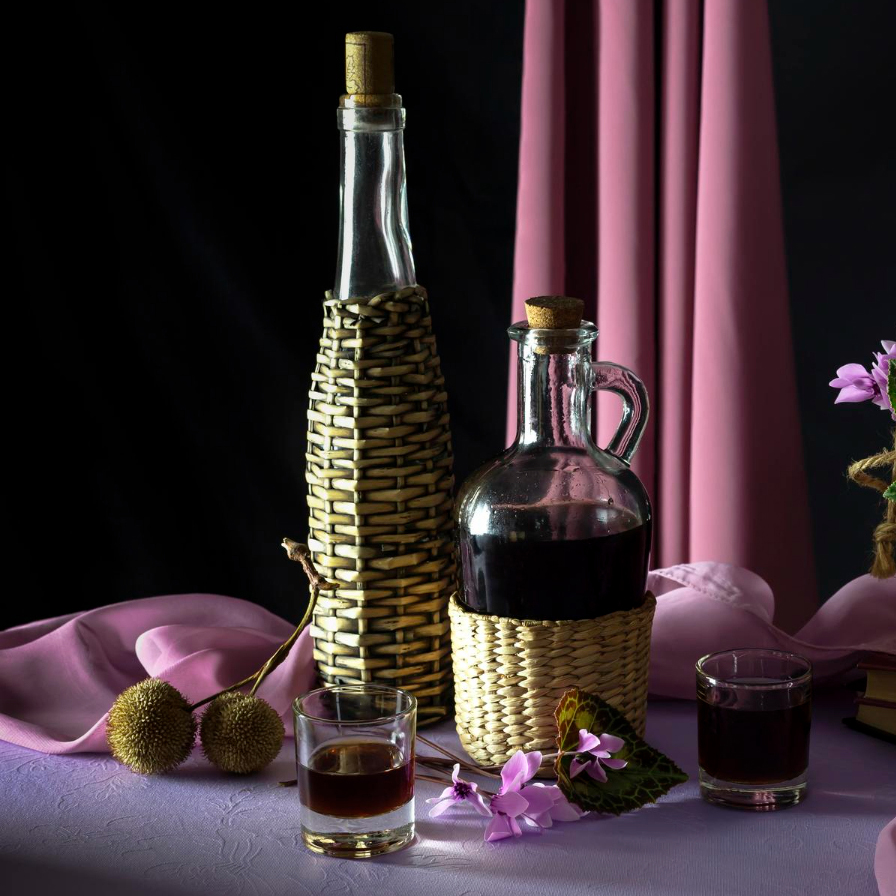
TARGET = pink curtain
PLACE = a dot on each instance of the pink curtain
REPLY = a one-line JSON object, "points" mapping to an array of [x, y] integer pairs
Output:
{"points": [[649, 187]]}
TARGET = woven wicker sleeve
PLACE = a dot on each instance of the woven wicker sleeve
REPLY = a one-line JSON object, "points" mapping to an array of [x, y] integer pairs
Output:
{"points": [[511, 673], [380, 496]]}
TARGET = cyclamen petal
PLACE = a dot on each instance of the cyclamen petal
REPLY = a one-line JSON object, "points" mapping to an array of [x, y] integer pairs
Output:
{"points": [[854, 393], [510, 804], [611, 743], [577, 766], [538, 801], [564, 810], [479, 804], [440, 807], [614, 763], [559, 810], [446, 794], [595, 771], [881, 373], [513, 771], [587, 741], [852, 372], [499, 829], [533, 762]]}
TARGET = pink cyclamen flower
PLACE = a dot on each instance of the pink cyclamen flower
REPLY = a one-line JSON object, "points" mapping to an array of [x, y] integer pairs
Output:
{"points": [[509, 804], [854, 383], [515, 802], [459, 792], [592, 752], [538, 805], [561, 809], [857, 384], [880, 372]]}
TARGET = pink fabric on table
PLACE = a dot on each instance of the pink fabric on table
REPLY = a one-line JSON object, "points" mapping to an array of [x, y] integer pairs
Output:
{"points": [[885, 860], [704, 607], [654, 195], [59, 677]]}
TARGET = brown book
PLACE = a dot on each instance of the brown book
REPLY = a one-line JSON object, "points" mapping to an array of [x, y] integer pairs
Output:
{"points": [[872, 701], [876, 714], [884, 661], [881, 672]]}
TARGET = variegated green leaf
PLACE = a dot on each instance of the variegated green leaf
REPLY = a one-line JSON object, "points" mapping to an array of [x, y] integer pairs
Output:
{"points": [[648, 775]]}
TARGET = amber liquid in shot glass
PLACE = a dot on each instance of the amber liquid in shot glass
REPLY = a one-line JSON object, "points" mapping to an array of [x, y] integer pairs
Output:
{"points": [[356, 779], [753, 718]]}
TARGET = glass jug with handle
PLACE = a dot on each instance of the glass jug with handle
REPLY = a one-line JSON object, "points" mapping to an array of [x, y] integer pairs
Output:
{"points": [[555, 527]]}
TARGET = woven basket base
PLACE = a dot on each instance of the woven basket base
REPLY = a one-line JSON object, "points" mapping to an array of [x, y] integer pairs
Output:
{"points": [[509, 674]]}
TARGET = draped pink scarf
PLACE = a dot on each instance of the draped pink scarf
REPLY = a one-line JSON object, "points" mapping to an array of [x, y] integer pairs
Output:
{"points": [[59, 677]]}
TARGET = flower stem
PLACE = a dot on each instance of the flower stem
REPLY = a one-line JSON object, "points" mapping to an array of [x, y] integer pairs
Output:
{"points": [[431, 779], [301, 554], [463, 762]]}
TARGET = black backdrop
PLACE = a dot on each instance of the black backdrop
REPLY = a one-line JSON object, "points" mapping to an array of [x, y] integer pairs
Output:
{"points": [[173, 189]]}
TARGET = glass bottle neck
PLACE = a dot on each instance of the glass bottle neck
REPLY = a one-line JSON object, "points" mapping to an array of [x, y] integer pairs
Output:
{"points": [[553, 398], [374, 253]]}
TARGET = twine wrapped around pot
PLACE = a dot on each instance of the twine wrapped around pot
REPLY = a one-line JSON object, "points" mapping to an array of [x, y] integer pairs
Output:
{"points": [[509, 674], [379, 473], [884, 564]]}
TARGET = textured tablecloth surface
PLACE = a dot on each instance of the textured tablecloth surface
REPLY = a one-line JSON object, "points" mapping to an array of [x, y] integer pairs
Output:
{"points": [[82, 823]]}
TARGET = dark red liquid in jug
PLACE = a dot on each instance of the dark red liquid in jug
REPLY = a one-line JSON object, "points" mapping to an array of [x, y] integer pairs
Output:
{"points": [[528, 577]]}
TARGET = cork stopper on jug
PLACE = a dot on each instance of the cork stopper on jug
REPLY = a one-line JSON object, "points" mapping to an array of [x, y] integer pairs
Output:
{"points": [[554, 312]]}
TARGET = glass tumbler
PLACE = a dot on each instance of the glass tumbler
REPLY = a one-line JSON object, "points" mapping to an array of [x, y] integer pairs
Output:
{"points": [[753, 715], [355, 769]]}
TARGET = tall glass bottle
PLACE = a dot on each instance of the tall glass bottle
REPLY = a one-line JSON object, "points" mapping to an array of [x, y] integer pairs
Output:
{"points": [[379, 461], [374, 254]]}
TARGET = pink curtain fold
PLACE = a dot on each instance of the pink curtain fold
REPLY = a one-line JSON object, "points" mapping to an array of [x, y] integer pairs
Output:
{"points": [[649, 186]]}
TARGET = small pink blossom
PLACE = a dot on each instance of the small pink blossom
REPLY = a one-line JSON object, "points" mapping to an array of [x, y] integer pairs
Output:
{"points": [[593, 752], [459, 792], [854, 383], [857, 384], [561, 809], [509, 804], [880, 372], [538, 805], [507, 808]]}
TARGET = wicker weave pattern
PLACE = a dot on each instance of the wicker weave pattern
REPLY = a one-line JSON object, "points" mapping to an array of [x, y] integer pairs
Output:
{"points": [[509, 674], [379, 473]]}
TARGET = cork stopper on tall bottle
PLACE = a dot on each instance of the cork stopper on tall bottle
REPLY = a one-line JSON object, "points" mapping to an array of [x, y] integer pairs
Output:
{"points": [[369, 67], [554, 312]]}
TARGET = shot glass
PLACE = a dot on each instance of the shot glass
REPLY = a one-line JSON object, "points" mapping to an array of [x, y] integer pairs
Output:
{"points": [[754, 709], [355, 769]]}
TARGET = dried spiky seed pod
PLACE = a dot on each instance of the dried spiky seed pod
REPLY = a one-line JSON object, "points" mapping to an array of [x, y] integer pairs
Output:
{"points": [[240, 734], [150, 727]]}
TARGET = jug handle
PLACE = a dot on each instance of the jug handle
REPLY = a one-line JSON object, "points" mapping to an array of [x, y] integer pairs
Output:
{"points": [[609, 377]]}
